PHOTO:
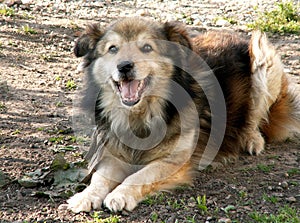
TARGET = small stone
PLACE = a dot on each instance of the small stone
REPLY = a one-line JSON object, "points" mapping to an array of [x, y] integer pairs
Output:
{"points": [[223, 23], [28, 182], [197, 22], [19, 195], [191, 204], [279, 188], [228, 197], [291, 199], [209, 219], [27, 2], [171, 219], [224, 220], [169, 208], [248, 208], [125, 213], [284, 185], [141, 12], [278, 194]]}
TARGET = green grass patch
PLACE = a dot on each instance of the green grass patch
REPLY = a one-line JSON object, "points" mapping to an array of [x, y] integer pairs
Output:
{"points": [[71, 85], [272, 199], [284, 215], [6, 11], [58, 139], [98, 219], [28, 30], [40, 129], [294, 183], [59, 104], [243, 194], [57, 78], [285, 18], [293, 171], [154, 217], [228, 209], [155, 199], [48, 57], [191, 219], [16, 132], [175, 204], [265, 168], [10, 12], [201, 204]]}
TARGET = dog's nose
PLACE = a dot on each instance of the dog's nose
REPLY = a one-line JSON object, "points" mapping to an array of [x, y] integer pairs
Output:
{"points": [[125, 67]]}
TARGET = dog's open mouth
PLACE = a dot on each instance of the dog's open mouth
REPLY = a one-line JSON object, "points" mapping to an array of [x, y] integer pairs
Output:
{"points": [[131, 91]]}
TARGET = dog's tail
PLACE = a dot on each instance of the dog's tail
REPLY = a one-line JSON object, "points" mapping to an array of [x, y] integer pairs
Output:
{"points": [[273, 93]]}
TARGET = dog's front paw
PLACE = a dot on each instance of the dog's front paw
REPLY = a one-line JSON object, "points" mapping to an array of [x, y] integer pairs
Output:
{"points": [[120, 199], [84, 202], [255, 143]]}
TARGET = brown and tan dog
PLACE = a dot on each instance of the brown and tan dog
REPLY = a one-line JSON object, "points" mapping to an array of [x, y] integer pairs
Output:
{"points": [[156, 88]]}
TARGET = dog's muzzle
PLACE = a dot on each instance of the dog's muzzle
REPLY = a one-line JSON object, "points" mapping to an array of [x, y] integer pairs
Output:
{"points": [[129, 88]]}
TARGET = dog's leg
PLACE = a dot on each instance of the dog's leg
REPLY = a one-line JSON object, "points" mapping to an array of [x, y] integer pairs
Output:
{"points": [[148, 180], [108, 175], [158, 175], [266, 78]]}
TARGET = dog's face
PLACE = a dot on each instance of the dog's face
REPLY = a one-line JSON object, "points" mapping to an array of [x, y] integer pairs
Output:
{"points": [[131, 64], [133, 57]]}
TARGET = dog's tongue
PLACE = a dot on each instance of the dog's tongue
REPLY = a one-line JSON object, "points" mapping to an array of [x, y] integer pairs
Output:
{"points": [[129, 89]]}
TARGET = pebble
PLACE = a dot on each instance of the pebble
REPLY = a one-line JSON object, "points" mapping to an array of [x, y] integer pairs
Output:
{"points": [[248, 208], [171, 219], [197, 22], [291, 199], [210, 219], [224, 220], [284, 184], [278, 195], [222, 23], [141, 12]]}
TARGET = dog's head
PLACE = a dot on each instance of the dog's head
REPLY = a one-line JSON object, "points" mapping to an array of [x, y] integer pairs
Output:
{"points": [[133, 56]]}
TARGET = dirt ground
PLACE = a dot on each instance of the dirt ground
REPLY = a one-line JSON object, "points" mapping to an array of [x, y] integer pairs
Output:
{"points": [[38, 82]]}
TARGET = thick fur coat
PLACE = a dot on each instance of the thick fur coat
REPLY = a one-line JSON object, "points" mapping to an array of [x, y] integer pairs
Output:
{"points": [[167, 104]]}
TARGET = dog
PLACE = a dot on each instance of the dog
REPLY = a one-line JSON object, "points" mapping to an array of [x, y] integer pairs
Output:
{"points": [[167, 104]]}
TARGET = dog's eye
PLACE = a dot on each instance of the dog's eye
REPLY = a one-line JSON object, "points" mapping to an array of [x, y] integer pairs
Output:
{"points": [[113, 49], [146, 48]]}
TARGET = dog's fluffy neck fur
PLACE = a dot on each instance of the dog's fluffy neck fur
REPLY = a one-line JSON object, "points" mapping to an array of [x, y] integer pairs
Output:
{"points": [[137, 118]]}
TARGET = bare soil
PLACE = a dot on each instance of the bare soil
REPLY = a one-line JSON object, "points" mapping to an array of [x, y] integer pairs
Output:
{"points": [[36, 115]]}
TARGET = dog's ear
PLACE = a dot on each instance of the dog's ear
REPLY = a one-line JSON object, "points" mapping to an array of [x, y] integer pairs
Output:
{"points": [[88, 40], [176, 32]]}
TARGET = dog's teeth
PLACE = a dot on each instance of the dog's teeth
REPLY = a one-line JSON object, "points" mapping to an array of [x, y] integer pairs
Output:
{"points": [[141, 84]]}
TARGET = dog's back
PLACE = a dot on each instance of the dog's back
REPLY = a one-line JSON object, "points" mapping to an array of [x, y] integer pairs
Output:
{"points": [[261, 102]]}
